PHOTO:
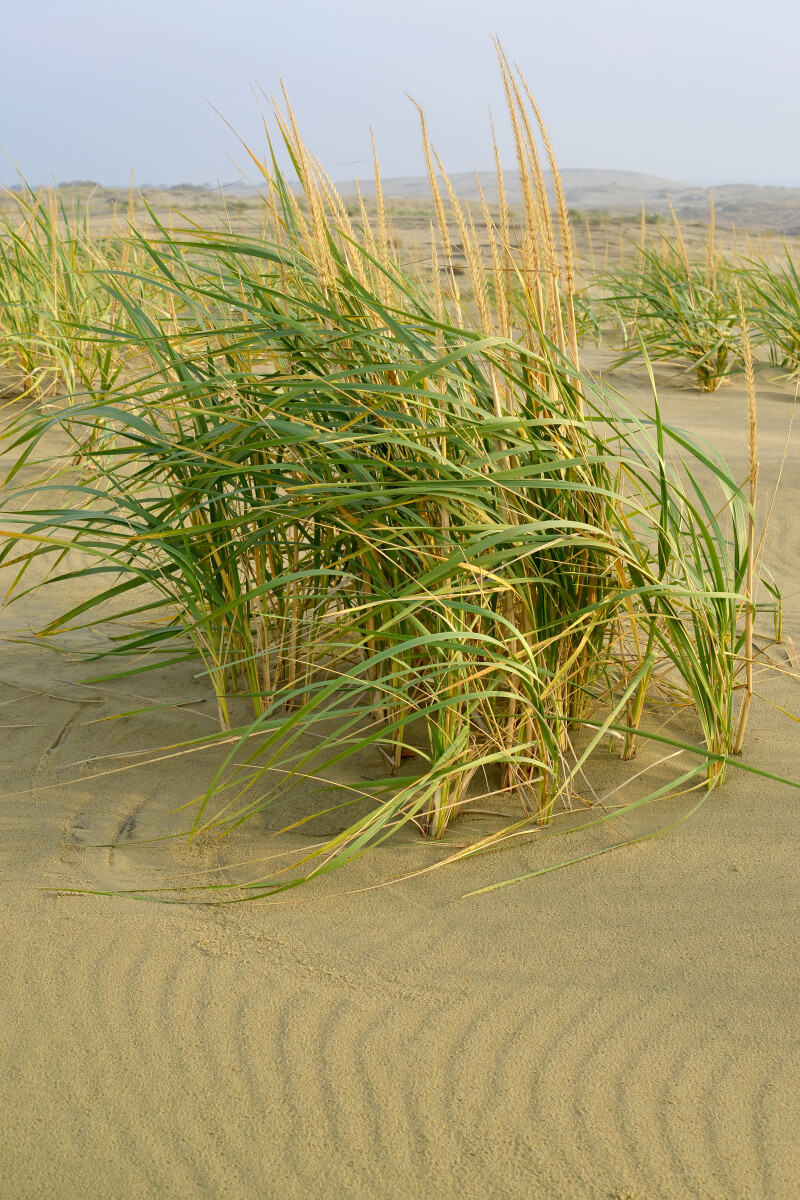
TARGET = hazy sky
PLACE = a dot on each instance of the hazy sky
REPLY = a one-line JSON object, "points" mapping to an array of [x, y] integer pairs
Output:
{"points": [[697, 90]]}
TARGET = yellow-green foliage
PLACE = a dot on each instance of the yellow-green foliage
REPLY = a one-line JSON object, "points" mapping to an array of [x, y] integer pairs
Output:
{"points": [[388, 516]]}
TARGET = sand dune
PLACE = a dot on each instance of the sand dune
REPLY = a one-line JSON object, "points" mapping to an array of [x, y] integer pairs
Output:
{"points": [[619, 193], [621, 1029], [747, 205]]}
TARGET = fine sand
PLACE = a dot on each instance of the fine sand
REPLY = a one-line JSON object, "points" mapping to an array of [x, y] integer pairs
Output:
{"points": [[624, 1028]]}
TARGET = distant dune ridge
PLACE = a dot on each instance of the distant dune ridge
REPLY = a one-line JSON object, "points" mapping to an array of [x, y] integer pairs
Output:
{"points": [[597, 188], [748, 204]]}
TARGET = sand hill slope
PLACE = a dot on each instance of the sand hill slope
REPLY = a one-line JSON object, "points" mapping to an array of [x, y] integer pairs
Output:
{"points": [[748, 205]]}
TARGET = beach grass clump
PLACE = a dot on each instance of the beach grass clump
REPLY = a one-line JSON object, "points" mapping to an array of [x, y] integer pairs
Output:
{"points": [[59, 324], [772, 292], [676, 309], [391, 512]]}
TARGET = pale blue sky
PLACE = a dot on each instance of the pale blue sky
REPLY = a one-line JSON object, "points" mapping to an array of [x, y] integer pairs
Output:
{"points": [[699, 90]]}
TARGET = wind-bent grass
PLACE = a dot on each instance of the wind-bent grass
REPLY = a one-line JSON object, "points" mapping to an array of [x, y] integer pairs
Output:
{"points": [[390, 512], [773, 298], [59, 324], [676, 309]]}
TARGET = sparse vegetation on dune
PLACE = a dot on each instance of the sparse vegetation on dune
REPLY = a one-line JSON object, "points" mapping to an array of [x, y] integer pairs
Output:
{"points": [[387, 507], [682, 306], [676, 310], [773, 295], [57, 318]]}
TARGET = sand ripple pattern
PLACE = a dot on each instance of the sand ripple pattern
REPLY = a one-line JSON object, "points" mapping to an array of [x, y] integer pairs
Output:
{"points": [[626, 1032], [200, 1058]]}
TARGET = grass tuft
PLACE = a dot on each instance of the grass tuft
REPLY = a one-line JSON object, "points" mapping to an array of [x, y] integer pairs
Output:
{"points": [[392, 513]]}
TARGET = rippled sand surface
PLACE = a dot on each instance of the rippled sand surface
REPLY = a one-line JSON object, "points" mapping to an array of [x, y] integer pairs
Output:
{"points": [[626, 1028]]}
